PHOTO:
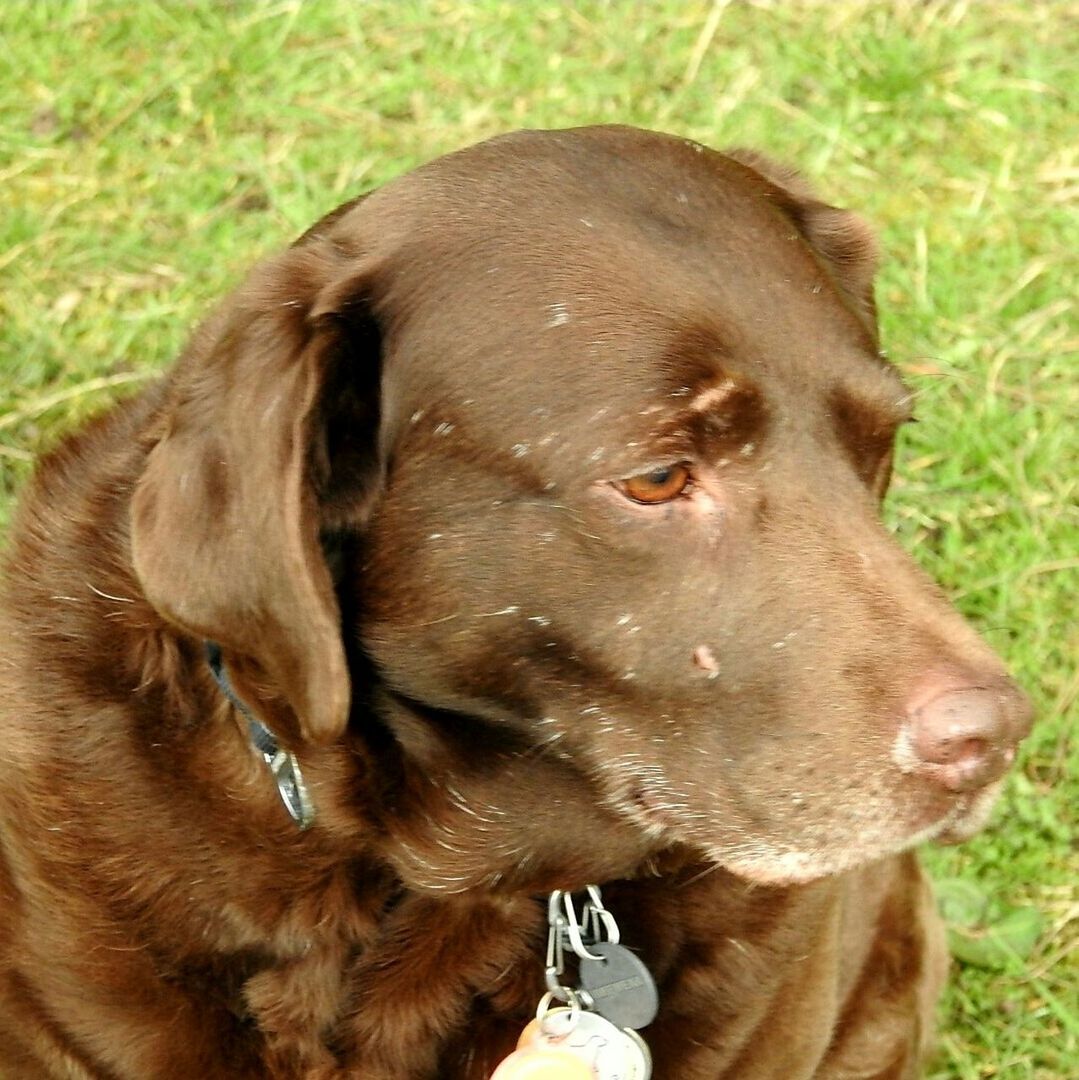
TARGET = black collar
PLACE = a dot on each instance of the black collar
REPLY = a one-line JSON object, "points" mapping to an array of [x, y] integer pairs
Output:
{"points": [[282, 764]]}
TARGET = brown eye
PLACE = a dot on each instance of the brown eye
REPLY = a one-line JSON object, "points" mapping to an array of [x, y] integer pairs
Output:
{"points": [[657, 486]]}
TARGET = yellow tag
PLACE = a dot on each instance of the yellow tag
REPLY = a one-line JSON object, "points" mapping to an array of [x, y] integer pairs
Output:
{"points": [[541, 1062]]}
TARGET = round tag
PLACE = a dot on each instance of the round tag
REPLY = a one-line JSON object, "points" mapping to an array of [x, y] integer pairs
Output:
{"points": [[619, 985], [592, 1039], [639, 1054]]}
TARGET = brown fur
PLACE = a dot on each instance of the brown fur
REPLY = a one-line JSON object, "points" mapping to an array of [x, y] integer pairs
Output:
{"points": [[382, 477]]}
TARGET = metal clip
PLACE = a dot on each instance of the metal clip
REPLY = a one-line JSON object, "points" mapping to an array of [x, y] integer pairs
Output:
{"points": [[570, 925], [556, 963], [598, 921]]}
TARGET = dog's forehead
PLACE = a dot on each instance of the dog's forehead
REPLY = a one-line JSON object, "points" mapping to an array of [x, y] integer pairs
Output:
{"points": [[612, 190], [605, 267]]}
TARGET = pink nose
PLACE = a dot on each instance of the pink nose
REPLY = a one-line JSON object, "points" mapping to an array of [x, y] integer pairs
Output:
{"points": [[965, 737]]}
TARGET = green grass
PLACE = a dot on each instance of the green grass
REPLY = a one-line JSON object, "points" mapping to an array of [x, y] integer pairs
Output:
{"points": [[150, 152]]}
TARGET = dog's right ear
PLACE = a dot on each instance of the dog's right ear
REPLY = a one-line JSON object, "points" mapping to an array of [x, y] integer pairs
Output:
{"points": [[267, 438], [841, 238]]}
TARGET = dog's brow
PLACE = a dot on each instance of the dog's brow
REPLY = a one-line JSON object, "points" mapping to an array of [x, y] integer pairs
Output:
{"points": [[721, 415], [710, 397], [692, 360], [884, 397]]}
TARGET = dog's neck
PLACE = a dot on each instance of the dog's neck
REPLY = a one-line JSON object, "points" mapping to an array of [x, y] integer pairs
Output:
{"points": [[442, 807]]}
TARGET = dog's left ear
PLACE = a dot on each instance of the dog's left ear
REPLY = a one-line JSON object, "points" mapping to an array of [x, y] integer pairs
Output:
{"points": [[843, 241], [267, 437]]}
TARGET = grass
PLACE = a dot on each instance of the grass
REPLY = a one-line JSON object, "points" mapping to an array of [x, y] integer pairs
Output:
{"points": [[150, 152]]}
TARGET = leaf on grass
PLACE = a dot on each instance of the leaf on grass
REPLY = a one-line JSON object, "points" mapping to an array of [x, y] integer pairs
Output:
{"points": [[961, 902], [983, 934]]}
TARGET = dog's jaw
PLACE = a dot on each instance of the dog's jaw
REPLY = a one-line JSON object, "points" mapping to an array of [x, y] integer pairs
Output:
{"points": [[649, 802]]}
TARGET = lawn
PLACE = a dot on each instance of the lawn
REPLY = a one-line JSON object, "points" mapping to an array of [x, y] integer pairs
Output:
{"points": [[149, 152]]}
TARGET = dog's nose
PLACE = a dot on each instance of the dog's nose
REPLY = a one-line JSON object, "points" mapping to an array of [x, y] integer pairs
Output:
{"points": [[965, 737]]}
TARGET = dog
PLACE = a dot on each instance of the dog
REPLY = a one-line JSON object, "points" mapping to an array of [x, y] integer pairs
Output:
{"points": [[515, 530]]}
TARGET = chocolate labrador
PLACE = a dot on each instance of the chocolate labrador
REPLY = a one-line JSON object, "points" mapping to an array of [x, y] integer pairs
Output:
{"points": [[513, 531]]}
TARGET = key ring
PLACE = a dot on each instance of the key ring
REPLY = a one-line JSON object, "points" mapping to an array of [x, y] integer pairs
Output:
{"points": [[572, 999], [595, 1024]]}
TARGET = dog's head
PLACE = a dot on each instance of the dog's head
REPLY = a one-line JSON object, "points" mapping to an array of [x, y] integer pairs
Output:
{"points": [[561, 459]]}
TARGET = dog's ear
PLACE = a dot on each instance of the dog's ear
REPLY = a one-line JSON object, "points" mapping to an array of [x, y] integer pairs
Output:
{"points": [[841, 238], [267, 438]]}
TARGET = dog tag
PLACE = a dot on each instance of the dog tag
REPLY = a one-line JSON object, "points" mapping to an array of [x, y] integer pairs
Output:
{"points": [[610, 1053], [619, 986], [639, 1054]]}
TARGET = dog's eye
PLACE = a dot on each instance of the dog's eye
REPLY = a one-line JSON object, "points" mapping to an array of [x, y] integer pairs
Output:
{"points": [[657, 486]]}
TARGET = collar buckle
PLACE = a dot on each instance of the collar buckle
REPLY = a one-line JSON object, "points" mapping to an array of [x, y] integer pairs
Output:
{"points": [[288, 776], [283, 764]]}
